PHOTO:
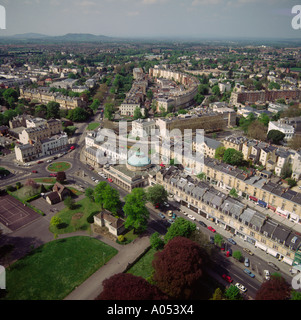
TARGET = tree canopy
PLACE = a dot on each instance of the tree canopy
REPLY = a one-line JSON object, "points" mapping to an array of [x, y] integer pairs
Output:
{"points": [[274, 289], [107, 197], [275, 136], [125, 286], [233, 157], [181, 227], [178, 268], [135, 210], [156, 194]]}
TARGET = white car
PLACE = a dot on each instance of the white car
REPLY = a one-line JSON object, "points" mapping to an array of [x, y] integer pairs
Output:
{"points": [[185, 213], [191, 217], [267, 275], [96, 181], [240, 287]]}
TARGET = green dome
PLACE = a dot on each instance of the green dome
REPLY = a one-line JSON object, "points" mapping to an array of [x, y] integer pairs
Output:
{"points": [[139, 160]]}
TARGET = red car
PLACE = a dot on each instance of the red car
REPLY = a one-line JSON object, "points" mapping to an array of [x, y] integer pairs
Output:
{"points": [[53, 175], [34, 171], [227, 278], [110, 180], [39, 162], [211, 229]]}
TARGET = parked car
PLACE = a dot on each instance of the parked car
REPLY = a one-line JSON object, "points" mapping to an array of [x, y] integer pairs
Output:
{"points": [[174, 216], [248, 251], [227, 278], [161, 215], [223, 246], [203, 224], [247, 262], [229, 252], [240, 287], [231, 241], [267, 275], [166, 204], [248, 272], [53, 175], [110, 180], [34, 171], [171, 221], [211, 240], [169, 213], [191, 217], [211, 229], [39, 162], [271, 264]]}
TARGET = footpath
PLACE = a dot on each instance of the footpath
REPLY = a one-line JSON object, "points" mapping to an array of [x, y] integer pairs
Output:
{"points": [[92, 287]]}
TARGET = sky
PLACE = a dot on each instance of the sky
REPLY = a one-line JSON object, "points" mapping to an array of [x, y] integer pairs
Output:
{"points": [[153, 18]]}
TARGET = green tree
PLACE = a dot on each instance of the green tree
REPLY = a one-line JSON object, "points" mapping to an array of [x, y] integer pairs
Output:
{"points": [[218, 294], [233, 193], [55, 221], [53, 110], [275, 136], [156, 241], [107, 197], [181, 227], [237, 255], [135, 210], [264, 119], [89, 192], [286, 170], [233, 157], [78, 115], [219, 152], [69, 203], [233, 293], [137, 114], [218, 239], [156, 194], [109, 111]]}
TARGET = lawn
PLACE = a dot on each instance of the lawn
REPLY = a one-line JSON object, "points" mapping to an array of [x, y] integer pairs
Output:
{"points": [[53, 270], [59, 166], [76, 219], [93, 126], [143, 267]]}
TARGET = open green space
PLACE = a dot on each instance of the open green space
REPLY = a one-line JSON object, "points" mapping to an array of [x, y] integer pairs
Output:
{"points": [[93, 126], [143, 267], [53, 270], [59, 166], [79, 218]]}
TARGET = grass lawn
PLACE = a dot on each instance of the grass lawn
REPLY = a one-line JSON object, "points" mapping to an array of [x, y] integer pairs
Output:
{"points": [[45, 180], [53, 270], [93, 126], [59, 166], [143, 268], [76, 219]]}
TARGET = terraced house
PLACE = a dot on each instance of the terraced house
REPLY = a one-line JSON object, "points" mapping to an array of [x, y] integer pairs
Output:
{"points": [[234, 216]]}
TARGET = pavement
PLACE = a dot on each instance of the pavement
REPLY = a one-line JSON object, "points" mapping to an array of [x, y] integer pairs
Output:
{"points": [[92, 287]]}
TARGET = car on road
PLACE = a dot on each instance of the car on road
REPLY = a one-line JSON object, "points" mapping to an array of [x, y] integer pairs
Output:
{"points": [[248, 251], [267, 275], [248, 272], [240, 287], [48, 161], [271, 264], [223, 246], [231, 241], [229, 252], [203, 224], [191, 217], [211, 240], [185, 213], [211, 229], [169, 213], [110, 180], [166, 204], [92, 178], [96, 181], [161, 215], [227, 278], [174, 216], [52, 175], [34, 171], [39, 162], [247, 262], [171, 221]]}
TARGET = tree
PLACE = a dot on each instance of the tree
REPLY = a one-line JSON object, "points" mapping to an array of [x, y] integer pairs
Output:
{"points": [[109, 111], [219, 152], [137, 114], [53, 110], [218, 295], [89, 193], [233, 193], [135, 210], [264, 119], [181, 227], [55, 221], [61, 177], [78, 115], [257, 130], [107, 197], [125, 286], [178, 268], [295, 142], [218, 239], [69, 203], [274, 289], [156, 194], [237, 255], [156, 241], [233, 293], [275, 136], [95, 104], [233, 157]]}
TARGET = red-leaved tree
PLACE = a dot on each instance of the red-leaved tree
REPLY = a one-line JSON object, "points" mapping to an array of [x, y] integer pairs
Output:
{"points": [[125, 286], [274, 289], [178, 268]]}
